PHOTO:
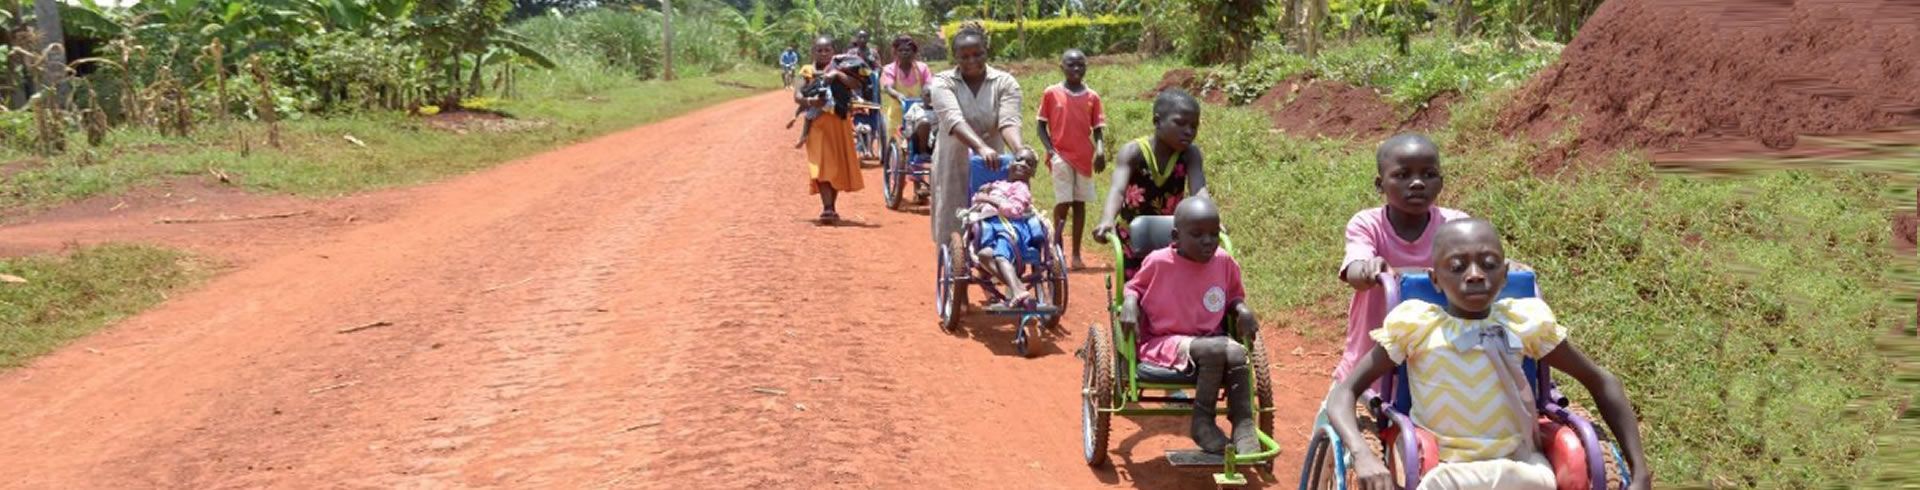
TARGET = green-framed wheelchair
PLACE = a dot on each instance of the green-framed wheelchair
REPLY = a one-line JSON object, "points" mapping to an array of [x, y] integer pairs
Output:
{"points": [[1112, 384]]}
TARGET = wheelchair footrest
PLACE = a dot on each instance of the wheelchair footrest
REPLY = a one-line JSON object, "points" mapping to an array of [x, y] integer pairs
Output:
{"points": [[1014, 310], [1196, 457]]}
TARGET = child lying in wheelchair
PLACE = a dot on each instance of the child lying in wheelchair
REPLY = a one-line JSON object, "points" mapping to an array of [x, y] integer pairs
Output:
{"points": [[1177, 302], [1008, 226], [1464, 363]]}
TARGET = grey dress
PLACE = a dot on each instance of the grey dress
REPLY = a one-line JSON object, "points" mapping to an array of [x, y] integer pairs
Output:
{"points": [[995, 106]]}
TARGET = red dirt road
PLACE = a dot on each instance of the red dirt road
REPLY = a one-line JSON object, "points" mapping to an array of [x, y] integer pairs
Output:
{"points": [[652, 309]]}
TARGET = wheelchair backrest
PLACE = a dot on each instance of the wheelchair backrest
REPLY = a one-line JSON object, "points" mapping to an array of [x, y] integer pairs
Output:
{"points": [[1420, 286], [1148, 233], [979, 175]]}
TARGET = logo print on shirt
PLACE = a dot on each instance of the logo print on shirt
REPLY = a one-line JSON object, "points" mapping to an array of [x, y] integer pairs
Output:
{"points": [[1216, 300]]}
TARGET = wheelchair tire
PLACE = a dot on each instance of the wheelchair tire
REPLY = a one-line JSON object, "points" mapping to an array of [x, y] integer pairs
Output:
{"points": [[1057, 286], [893, 171], [1319, 473], [1097, 389], [1616, 476], [946, 290], [1263, 383]]}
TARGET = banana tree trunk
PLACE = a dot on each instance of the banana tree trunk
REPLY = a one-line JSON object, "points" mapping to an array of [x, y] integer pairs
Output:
{"points": [[473, 79], [666, 9], [47, 21]]}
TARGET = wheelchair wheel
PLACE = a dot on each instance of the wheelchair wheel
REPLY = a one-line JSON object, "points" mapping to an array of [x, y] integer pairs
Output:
{"points": [[1262, 382], [946, 290], [1097, 387], [1057, 287], [1027, 330], [1320, 472], [1616, 469], [893, 174]]}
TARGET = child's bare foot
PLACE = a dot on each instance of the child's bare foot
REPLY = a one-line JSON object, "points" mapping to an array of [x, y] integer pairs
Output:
{"points": [[1079, 265]]}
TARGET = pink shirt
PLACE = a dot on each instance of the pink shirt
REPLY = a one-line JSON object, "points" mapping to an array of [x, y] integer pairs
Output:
{"points": [[1010, 199], [1369, 235], [1181, 299], [890, 75]]}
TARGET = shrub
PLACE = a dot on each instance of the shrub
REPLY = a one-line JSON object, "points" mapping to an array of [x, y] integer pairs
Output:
{"points": [[1097, 35]]}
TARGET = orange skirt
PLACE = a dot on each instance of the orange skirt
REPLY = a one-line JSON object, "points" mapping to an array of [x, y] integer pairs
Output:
{"points": [[831, 156]]}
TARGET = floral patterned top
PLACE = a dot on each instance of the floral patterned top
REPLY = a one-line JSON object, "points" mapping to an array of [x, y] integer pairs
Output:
{"points": [[1152, 190]]}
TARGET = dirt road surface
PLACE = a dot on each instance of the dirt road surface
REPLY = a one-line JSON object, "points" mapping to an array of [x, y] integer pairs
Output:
{"points": [[652, 309]]}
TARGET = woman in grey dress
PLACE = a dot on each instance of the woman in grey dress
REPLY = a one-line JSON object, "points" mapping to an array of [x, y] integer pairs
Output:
{"points": [[977, 109]]}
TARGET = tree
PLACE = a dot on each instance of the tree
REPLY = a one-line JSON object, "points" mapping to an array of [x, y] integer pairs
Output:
{"points": [[46, 14], [666, 9]]}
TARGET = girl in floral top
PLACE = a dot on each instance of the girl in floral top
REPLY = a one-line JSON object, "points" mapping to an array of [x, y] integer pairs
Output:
{"points": [[1153, 174]]}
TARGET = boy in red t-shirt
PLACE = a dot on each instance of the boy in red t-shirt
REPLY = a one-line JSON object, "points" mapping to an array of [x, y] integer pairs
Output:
{"points": [[1072, 126]]}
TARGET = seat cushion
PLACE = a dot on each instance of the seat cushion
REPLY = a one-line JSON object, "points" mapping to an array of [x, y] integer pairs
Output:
{"points": [[1148, 373]]}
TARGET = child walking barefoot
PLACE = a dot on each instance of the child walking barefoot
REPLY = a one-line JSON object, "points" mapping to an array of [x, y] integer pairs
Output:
{"points": [[1072, 128]]}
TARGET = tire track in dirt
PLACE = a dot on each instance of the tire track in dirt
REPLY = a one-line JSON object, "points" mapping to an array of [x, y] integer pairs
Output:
{"points": [[652, 309]]}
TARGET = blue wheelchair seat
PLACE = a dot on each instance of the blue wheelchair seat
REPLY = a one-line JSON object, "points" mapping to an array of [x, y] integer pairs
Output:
{"points": [[1420, 286]]}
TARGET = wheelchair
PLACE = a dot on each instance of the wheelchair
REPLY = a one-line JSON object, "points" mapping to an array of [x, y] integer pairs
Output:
{"points": [[1042, 270], [868, 121], [1112, 382], [908, 160], [1581, 456]]}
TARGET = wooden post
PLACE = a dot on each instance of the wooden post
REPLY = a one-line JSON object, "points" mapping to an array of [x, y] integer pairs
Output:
{"points": [[46, 15], [1020, 25], [666, 10]]}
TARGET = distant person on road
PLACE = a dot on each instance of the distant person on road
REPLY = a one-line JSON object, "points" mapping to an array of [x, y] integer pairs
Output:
{"points": [[977, 111], [905, 78], [1073, 129], [788, 59], [833, 165]]}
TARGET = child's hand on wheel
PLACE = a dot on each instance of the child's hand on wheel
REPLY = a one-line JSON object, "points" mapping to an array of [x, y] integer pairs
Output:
{"points": [[1372, 473]]}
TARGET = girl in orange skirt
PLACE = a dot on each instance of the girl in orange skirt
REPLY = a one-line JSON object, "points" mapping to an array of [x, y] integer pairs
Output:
{"points": [[832, 163]]}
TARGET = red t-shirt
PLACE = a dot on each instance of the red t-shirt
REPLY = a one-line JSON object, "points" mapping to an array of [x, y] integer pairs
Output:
{"points": [[1070, 119]]}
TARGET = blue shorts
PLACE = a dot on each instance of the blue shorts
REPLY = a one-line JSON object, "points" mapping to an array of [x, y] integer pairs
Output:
{"points": [[1002, 236]]}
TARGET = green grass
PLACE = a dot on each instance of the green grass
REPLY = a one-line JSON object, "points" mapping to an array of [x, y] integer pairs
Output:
{"points": [[576, 104], [1741, 314], [1433, 65], [66, 298]]}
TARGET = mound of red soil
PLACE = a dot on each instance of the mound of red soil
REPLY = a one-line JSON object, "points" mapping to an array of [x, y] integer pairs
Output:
{"points": [[1317, 108], [1662, 76], [1192, 82], [1432, 115]]}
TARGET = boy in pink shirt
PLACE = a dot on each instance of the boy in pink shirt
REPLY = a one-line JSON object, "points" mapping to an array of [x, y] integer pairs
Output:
{"points": [[1177, 302], [1072, 127], [1396, 236], [1008, 226], [1399, 234]]}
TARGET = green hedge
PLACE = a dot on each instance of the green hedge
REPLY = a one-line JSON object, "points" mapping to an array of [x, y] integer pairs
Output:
{"points": [[1048, 37]]}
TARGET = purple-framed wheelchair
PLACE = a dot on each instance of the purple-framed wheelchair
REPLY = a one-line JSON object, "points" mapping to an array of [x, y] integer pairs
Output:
{"points": [[1583, 458]]}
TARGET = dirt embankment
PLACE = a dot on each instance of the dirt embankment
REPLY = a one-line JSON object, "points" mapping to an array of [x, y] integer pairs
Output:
{"points": [[1723, 77]]}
